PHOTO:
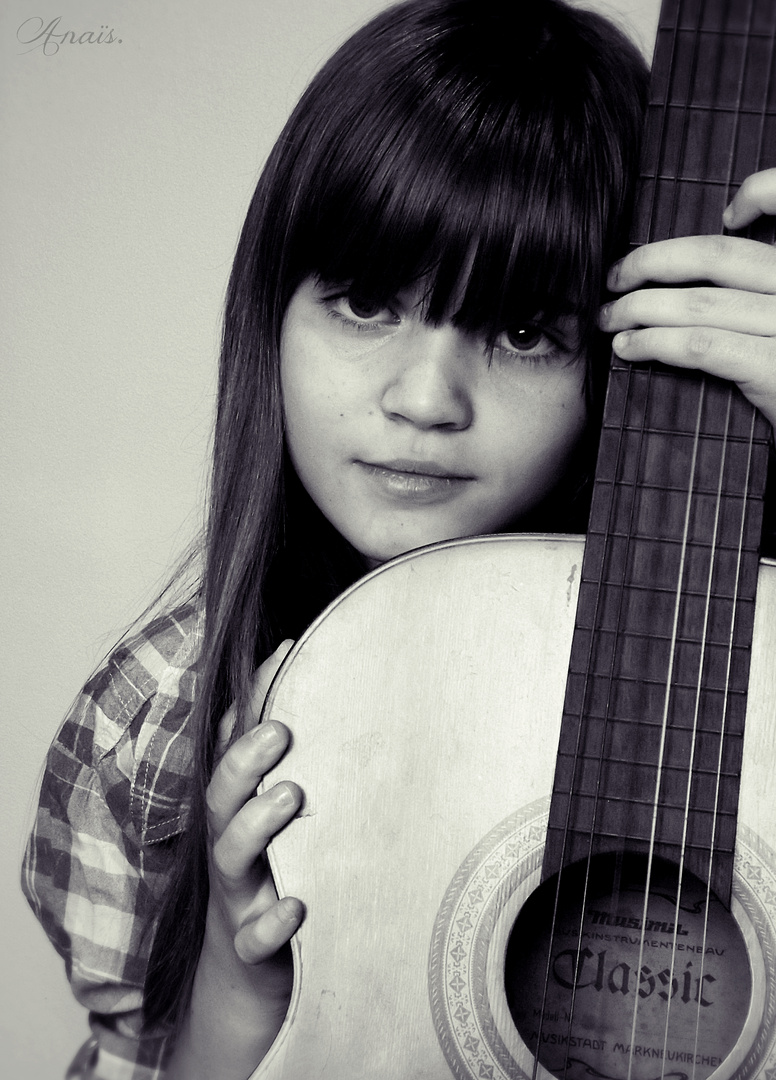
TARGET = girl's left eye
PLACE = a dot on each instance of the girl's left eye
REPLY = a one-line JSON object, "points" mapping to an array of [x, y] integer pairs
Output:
{"points": [[359, 312], [365, 309]]}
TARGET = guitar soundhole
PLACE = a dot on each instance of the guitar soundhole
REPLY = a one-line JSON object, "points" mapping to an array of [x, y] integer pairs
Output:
{"points": [[613, 994]]}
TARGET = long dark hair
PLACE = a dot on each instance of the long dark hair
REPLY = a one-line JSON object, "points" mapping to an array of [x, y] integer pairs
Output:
{"points": [[444, 127]]}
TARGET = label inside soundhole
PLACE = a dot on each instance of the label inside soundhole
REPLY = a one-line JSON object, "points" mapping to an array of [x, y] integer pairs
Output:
{"points": [[627, 996]]}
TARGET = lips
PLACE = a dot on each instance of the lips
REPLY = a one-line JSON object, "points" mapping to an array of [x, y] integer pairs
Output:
{"points": [[412, 481], [413, 467]]}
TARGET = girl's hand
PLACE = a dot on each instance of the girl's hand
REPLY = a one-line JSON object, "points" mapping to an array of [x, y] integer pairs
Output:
{"points": [[244, 977], [241, 824], [727, 328]]}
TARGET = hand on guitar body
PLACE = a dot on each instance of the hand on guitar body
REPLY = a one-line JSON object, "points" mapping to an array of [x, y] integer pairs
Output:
{"points": [[727, 328], [243, 982]]}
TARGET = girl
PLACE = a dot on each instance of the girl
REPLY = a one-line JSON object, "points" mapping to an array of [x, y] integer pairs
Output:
{"points": [[411, 353]]}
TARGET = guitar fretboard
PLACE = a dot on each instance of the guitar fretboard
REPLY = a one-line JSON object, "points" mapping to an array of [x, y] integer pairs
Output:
{"points": [[651, 740]]}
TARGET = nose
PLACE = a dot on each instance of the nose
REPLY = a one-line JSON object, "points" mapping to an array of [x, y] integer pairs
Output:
{"points": [[430, 384]]}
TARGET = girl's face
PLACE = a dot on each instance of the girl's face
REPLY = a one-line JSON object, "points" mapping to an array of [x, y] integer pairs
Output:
{"points": [[405, 433]]}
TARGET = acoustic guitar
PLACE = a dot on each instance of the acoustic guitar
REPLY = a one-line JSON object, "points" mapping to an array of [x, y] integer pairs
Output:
{"points": [[539, 829]]}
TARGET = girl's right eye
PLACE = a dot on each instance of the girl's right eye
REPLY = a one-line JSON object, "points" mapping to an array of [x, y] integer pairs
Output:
{"points": [[358, 312]]}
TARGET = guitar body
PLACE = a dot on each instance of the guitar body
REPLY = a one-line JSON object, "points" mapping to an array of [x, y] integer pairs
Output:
{"points": [[425, 708]]}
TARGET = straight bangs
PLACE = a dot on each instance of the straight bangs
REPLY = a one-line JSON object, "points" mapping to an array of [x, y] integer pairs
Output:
{"points": [[496, 174]]}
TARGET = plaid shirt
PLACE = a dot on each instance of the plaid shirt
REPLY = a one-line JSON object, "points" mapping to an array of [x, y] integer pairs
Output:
{"points": [[115, 787]]}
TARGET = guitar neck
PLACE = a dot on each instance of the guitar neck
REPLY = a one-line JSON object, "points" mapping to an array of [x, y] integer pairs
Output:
{"points": [[651, 739]]}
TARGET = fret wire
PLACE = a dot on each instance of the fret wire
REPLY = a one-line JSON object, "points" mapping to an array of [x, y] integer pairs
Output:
{"points": [[707, 31], [696, 545], [709, 439], [677, 437], [646, 635], [664, 805], [669, 433], [611, 797], [701, 109], [677, 684], [643, 724], [723, 33], [603, 834], [669, 489], [706, 814], [706, 183], [665, 845], [662, 590]]}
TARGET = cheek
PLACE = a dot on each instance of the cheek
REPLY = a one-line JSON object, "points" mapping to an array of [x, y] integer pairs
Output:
{"points": [[320, 414], [541, 430], [303, 385], [548, 448]]}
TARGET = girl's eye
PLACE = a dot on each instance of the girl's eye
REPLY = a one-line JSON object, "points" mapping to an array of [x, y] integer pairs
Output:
{"points": [[364, 309], [358, 312], [528, 340], [524, 337]]}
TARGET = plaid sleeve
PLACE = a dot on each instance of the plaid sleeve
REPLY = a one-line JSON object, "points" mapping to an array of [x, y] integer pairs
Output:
{"points": [[112, 802]]}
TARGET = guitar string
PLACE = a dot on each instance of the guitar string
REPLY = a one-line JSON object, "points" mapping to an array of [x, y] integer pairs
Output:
{"points": [[651, 853], [753, 166], [582, 697], [659, 173], [664, 721], [683, 847], [725, 699], [693, 746], [576, 758], [671, 228], [654, 192], [721, 745], [607, 709], [682, 145], [629, 376], [668, 692], [732, 157], [692, 97]]}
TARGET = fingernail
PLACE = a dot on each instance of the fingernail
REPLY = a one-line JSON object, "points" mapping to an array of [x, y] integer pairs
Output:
{"points": [[603, 314], [614, 273], [284, 795], [267, 734], [620, 342], [290, 910]]}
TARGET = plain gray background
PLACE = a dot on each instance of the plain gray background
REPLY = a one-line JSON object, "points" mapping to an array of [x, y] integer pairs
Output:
{"points": [[125, 175]]}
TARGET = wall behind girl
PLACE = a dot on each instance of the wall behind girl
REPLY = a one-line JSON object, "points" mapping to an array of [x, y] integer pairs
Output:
{"points": [[130, 168]]}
